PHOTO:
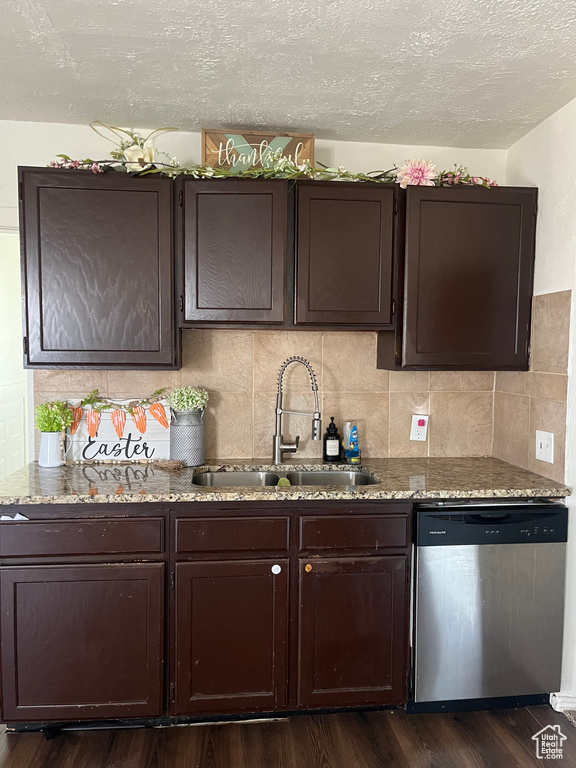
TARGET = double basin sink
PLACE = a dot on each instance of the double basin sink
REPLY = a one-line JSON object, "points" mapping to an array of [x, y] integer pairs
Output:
{"points": [[232, 478]]}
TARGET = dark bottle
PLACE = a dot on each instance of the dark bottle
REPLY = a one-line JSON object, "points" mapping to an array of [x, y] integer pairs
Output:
{"points": [[331, 442]]}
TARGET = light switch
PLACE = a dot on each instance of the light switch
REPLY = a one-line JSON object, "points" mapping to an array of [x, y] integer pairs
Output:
{"points": [[545, 446]]}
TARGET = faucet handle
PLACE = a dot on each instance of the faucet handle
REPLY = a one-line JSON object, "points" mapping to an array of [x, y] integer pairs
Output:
{"points": [[291, 447]]}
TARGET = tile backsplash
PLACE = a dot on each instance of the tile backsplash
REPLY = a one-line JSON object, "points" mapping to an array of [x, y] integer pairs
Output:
{"points": [[471, 413], [240, 370], [525, 401]]}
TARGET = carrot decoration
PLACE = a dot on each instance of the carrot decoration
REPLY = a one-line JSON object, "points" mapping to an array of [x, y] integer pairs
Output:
{"points": [[118, 421], [139, 418], [92, 421], [157, 410], [77, 415]]}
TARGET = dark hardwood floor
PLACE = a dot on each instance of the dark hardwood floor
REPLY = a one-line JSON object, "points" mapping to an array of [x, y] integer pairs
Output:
{"points": [[389, 739]]}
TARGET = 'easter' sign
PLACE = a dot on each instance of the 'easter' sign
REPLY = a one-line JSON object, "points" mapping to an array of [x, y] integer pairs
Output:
{"points": [[120, 433]]}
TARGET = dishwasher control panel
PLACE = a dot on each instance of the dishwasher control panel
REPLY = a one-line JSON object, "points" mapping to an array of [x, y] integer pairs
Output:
{"points": [[437, 527]]}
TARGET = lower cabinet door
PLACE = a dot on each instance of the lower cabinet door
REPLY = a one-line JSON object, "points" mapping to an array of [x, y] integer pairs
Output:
{"points": [[82, 642], [352, 631], [231, 624]]}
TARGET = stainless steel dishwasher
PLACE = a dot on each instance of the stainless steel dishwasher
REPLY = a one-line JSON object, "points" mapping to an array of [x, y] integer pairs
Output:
{"points": [[489, 603]]}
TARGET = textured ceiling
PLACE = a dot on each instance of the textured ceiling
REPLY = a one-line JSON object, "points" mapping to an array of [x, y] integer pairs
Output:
{"points": [[469, 73]]}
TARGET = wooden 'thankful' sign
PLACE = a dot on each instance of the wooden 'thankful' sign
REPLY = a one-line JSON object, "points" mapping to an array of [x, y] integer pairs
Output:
{"points": [[238, 151]]}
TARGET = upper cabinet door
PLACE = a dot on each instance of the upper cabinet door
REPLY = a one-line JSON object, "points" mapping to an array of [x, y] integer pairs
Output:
{"points": [[97, 269], [345, 249], [468, 281], [233, 240]]}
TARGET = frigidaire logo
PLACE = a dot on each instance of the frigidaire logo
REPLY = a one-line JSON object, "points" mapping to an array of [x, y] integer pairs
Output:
{"points": [[437, 531]]}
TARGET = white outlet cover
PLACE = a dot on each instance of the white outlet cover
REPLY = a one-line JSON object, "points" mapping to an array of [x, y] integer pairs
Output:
{"points": [[419, 428], [545, 446]]}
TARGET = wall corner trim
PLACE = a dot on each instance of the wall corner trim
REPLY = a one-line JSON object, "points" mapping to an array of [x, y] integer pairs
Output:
{"points": [[561, 702]]}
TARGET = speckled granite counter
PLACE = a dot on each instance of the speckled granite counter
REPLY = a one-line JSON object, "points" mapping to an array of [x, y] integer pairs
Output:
{"points": [[397, 479]]}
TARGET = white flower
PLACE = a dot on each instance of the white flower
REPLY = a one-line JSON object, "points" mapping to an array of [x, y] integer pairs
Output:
{"points": [[417, 172], [139, 158]]}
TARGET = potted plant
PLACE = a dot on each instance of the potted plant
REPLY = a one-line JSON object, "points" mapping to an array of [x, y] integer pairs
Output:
{"points": [[52, 419], [187, 405]]}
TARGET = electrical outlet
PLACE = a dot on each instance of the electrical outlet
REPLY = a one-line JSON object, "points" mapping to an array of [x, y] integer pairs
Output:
{"points": [[419, 428], [545, 446]]}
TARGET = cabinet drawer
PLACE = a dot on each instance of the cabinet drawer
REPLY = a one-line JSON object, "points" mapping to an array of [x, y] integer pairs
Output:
{"points": [[62, 538], [359, 532], [229, 534]]}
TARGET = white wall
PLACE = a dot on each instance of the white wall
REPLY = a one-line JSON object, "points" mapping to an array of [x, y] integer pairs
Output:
{"points": [[13, 378], [546, 158], [26, 143]]}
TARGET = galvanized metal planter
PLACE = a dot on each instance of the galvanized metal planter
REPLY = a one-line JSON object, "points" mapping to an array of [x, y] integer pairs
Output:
{"points": [[187, 437]]}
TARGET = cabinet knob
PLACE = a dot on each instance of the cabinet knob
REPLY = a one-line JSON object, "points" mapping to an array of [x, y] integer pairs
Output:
{"points": [[307, 567], [276, 569]]}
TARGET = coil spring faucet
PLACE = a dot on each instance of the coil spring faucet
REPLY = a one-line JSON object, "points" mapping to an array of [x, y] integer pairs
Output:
{"points": [[279, 446]]}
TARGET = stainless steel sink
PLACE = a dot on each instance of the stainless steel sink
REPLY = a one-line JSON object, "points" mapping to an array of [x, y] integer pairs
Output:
{"points": [[232, 478], [326, 477], [239, 478]]}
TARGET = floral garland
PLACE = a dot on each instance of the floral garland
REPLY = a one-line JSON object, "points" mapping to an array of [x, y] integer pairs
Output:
{"points": [[137, 155], [423, 173], [96, 404]]}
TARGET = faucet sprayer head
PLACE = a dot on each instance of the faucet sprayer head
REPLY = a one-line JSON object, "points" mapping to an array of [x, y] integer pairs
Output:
{"points": [[316, 426]]}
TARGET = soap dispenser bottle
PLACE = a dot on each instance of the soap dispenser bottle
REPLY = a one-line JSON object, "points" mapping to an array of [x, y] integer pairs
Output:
{"points": [[331, 450]]}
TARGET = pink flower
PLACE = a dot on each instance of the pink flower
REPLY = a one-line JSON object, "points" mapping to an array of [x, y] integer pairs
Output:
{"points": [[493, 183], [95, 168], [417, 173]]}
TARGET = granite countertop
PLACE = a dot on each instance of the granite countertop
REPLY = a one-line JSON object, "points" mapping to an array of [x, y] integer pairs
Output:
{"points": [[438, 478]]}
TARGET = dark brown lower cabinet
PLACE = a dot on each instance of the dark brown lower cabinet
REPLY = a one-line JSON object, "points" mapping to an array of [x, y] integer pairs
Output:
{"points": [[82, 641], [352, 634], [231, 626], [270, 610]]}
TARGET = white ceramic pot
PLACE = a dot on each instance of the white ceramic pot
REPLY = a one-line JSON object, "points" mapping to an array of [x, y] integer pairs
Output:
{"points": [[50, 449]]}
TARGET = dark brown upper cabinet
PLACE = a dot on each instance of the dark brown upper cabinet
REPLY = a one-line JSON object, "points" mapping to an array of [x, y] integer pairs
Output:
{"points": [[345, 254], [466, 280], [97, 270], [233, 237]]}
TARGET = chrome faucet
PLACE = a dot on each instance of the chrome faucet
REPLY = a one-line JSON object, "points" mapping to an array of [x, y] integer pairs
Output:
{"points": [[279, 446]]}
